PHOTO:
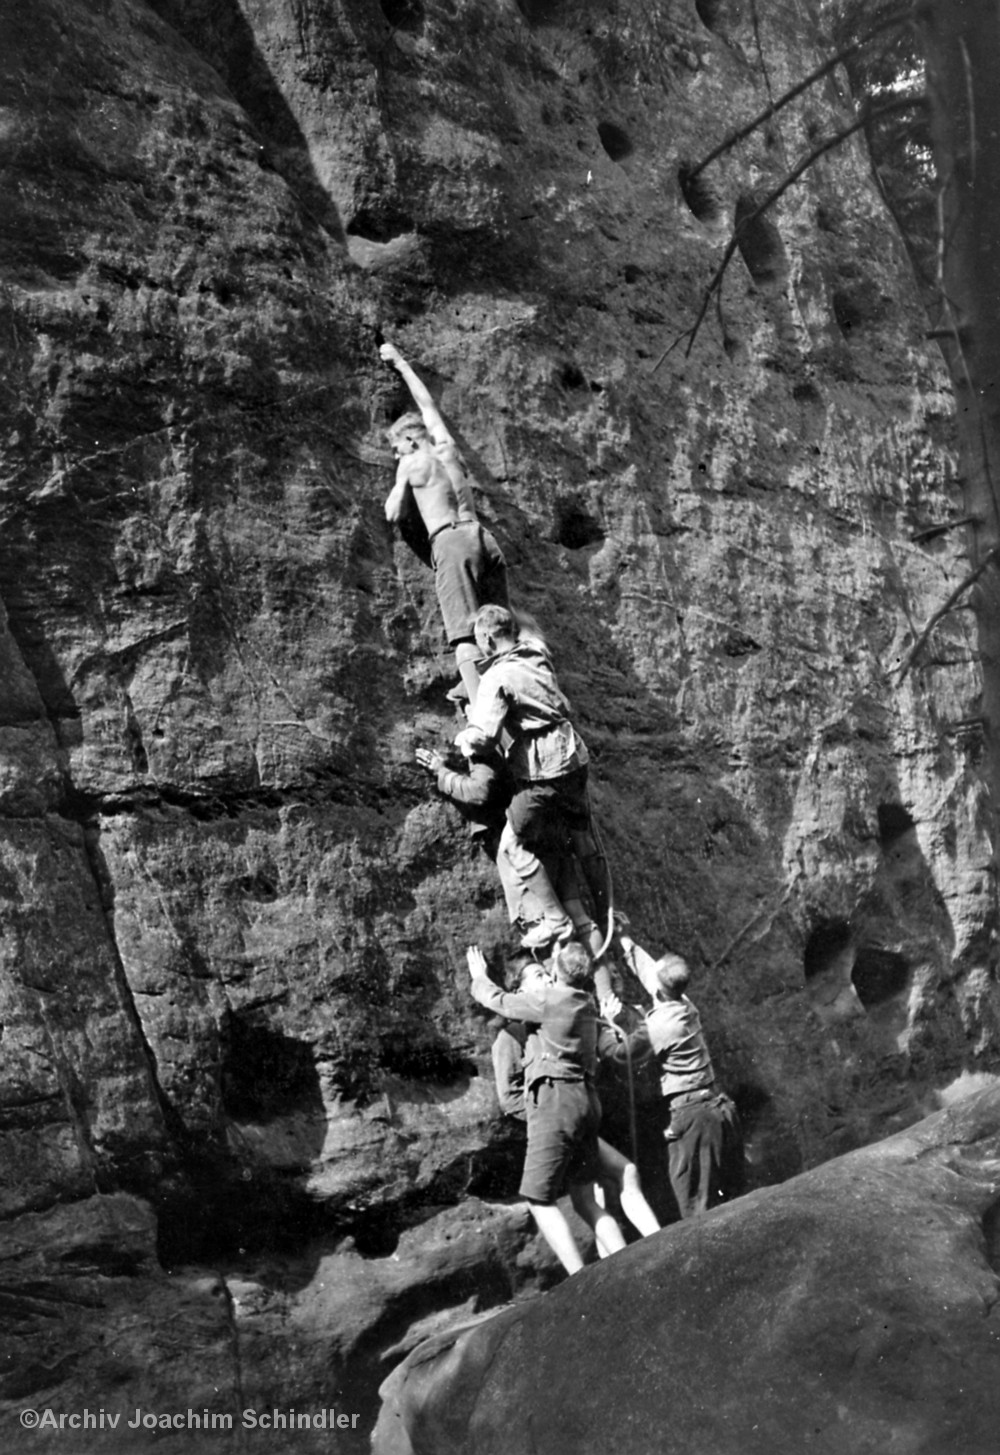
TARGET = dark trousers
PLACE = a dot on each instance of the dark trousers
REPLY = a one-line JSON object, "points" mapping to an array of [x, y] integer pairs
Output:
{"points": [[705, 1153], [469, 571]]}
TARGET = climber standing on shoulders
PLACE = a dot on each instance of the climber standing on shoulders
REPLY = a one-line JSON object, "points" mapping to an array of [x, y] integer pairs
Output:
{"points": [[563, 1112], [469, 568], [482, 793], [519, 695]]}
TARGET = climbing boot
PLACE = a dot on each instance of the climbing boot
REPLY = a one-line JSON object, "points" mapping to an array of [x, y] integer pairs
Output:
{"points": [[543, 934]]}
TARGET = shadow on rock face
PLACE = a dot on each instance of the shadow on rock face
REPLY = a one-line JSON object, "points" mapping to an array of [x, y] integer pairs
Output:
{"points": [[253, 1193], [223, 37], [265, 1072], [991, 1232]]}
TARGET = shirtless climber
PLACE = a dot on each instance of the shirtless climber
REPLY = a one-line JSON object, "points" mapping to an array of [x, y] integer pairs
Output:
{"points": [[701, 1126], [563, 1112], [469, 568], [512, 1052], [519, 695]]}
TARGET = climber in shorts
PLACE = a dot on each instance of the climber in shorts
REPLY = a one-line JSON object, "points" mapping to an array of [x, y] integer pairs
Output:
{"points": [[469, 568], [513, 1051], [563, 1112]]}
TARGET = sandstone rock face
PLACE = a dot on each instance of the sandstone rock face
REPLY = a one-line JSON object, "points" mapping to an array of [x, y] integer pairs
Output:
{"points": [[95, 1326], [232, 913], [853, 1308]]}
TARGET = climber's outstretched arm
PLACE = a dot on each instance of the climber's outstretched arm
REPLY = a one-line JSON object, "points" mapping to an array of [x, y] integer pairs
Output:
{"points": [[513, 1005], [642, 965], [429, 412]]}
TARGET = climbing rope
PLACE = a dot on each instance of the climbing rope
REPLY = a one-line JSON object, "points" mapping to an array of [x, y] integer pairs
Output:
{"points": [[610, 928]]}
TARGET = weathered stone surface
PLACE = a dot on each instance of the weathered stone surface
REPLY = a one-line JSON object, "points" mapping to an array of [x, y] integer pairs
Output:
{"points": [[93, 1323], [854, 1308], [232, 915]]}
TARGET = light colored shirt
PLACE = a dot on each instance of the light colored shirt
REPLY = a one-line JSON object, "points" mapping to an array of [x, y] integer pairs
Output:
{"points": [[565, 1044], [675, 1034], [519, 693]]}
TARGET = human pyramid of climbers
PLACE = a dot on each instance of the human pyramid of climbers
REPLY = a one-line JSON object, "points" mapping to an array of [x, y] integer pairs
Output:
{"points": [[524, 789]]}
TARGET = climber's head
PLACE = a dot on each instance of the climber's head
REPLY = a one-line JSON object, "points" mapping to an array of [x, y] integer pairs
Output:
{"points": [[673, 974], [573, 966], [408, 434], [496, 630]]}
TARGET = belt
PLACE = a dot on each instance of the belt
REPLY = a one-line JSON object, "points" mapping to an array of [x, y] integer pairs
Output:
{"points": [[449, 525], [690, 1098], [560, 1081]]}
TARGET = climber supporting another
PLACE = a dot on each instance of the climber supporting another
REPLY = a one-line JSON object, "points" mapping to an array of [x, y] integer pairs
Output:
{"points": [[469, 568], [482, 793], [513, 1051], [701, 1126], [519, 695], [563, 1112]]}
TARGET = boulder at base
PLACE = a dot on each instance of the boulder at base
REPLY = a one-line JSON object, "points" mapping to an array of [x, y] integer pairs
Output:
{"points": [[850, 1310]]}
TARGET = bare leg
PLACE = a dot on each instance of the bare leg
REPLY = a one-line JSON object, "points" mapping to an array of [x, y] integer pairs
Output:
{"points": [[607, 1232], [618, 1169], [552, 1224], [634, 1205], [600, 1197]]}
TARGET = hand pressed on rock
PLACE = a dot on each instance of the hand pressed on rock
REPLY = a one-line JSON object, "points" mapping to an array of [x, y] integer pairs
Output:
{"points": [[477, 961]]}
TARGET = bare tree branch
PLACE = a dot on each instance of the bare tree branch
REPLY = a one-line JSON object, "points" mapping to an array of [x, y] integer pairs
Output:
{"points": [[900, 104], [957, 334], [971, 103], [931, 532], [942, 611], [898, 17], [917, 263]]}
